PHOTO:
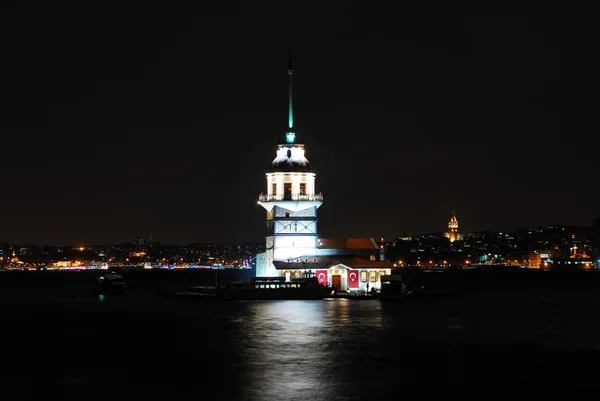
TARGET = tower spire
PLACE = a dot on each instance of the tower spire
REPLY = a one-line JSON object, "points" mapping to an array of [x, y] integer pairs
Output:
{"points": [[290, 136]]}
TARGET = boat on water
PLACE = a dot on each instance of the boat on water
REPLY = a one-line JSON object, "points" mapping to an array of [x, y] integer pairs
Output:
{"points": [[188, 294], [393, 288], [268, 288], [205, 289], [112, 283]]}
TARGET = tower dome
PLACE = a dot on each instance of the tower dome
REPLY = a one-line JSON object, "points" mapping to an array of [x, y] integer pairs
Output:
{"points": [[290, 159], [290, 153]]}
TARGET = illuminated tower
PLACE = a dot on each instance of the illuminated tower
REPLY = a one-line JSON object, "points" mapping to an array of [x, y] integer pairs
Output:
{"points": [[452, 233], [574, 249], [291, 202]]}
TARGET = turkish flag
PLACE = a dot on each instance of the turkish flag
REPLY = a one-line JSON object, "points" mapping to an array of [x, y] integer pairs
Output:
{"points": [[322, 277], [353, 278]]}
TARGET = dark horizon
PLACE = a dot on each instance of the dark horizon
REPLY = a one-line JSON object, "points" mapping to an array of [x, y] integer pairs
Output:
{"points": [[123, 122]]}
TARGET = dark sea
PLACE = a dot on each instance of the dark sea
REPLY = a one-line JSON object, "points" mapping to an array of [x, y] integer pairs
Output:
{"points": [[480, 336]]}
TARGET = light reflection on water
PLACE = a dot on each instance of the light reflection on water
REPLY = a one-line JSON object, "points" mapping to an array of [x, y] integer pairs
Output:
{"points": [[298, 350], [359, 350], [292, 348]]}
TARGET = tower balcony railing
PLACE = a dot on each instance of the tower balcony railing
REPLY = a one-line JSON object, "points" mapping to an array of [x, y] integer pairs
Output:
{"points": [[290, 197]]}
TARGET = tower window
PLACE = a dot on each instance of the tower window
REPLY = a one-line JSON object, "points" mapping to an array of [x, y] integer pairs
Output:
{"points": [[274, 189], [287, 191], [302, 188]]}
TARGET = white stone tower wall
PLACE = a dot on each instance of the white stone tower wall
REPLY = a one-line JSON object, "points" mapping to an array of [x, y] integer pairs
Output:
{"points": [[294, 178]]}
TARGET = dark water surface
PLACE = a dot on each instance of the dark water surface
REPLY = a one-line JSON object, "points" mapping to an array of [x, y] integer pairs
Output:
{"points": [[510, 340]]}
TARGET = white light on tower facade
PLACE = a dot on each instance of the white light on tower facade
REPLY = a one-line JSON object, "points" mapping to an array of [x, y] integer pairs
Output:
{"points": [[290, 200]]}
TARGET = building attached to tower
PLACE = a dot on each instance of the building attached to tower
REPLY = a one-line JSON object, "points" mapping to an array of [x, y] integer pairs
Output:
{"points": [[293, 246]]}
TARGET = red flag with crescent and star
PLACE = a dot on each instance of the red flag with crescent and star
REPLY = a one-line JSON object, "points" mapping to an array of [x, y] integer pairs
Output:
{"points": [[322, 277], [353, 278]]}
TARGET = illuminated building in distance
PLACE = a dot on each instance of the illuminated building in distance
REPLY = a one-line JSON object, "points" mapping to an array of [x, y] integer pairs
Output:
{"points": [[452, 233]]}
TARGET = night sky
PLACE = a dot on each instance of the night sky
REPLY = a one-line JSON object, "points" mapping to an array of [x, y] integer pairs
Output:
{"points": [[121, 120]]}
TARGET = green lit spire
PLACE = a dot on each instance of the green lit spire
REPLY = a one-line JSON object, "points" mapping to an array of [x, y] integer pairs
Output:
{"points": [[290, 137]]}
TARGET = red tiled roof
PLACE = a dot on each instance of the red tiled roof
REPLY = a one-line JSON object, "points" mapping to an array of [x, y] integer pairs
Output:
{"points": [[347, 243]]}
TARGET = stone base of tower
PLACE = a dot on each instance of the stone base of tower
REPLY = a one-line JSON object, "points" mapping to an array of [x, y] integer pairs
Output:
{"points": [[265, 270], [261, 264], [265, 266]]}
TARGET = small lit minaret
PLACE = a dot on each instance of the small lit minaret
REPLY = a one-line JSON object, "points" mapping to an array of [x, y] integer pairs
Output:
{"points": [[452, 233], [291, 202]]}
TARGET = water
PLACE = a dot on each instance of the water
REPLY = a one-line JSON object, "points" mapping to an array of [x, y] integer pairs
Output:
{"points": [[506, 340]]}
